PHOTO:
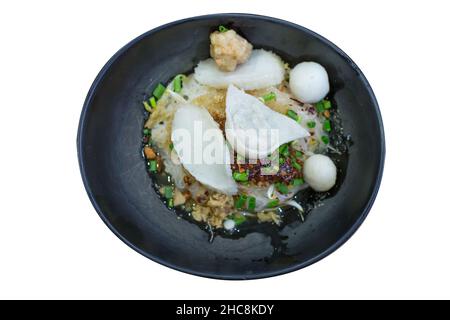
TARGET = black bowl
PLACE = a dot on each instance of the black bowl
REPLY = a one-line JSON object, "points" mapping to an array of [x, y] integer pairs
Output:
{"points": [[114, 173]]}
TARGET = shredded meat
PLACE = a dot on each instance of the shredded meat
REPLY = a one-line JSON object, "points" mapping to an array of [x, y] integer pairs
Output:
{"points": [[229, 49]]}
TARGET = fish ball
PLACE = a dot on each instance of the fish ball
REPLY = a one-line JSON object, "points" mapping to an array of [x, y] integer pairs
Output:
{"points": [[309, 82], [319, 172]]}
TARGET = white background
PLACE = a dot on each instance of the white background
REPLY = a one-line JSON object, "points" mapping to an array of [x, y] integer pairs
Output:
{"points": [[53, 244]]}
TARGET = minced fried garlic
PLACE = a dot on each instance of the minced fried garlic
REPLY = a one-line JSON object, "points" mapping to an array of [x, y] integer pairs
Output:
{"points": [[178, 198], [216, 209], [214, 102], [268, 216], [220, 200], [200, 213]]}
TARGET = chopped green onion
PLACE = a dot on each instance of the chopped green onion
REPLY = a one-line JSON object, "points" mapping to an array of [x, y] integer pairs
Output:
{"points": [[239, 219], [273, 203], [171, 146], [170, 203], [177, 83], [325, 139], [293, 115], [159, 91], [320, 107], [146, 131], [168, 192], [298, 182], [222, 29], [284, 150], [240, 202], [251, 203], [152, 166], [152, 101], [270, 96], [240, 176], [147, 106], [296, 165], [327, 125], [311, 124], [298, 154], [282, 188], [327, 104]]}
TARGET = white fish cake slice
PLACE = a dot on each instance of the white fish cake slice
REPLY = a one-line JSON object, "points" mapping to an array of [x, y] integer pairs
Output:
{"points": [[253, 129], [202, 149], [263, 69]]}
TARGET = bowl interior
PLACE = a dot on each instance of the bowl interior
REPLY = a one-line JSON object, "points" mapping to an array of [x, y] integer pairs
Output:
{"points": [[114, 173]]}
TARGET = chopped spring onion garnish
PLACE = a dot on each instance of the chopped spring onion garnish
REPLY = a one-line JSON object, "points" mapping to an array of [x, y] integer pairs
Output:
{"points": [[311, 124], [152, 166], [320, 107], [159, 91], [296, 165], [178, 83], [223, 29], [147, 106], [273, 203], [240, 202], [240, 176], [168, 192], [298, 182], [282, 188], [327, 104], [170, 203], [152, 101], [269, 97], [293, 115], [239, 219], [251, 203], [325, 139], [171, 146], [284, 150], [146, 131], [327, 125]]}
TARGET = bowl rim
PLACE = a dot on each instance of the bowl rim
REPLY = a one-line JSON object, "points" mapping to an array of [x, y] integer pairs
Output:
{"points": [[297, 266]]}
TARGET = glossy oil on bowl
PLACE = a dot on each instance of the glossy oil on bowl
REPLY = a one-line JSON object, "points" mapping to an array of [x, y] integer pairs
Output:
{"points": [[114, 173]]}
